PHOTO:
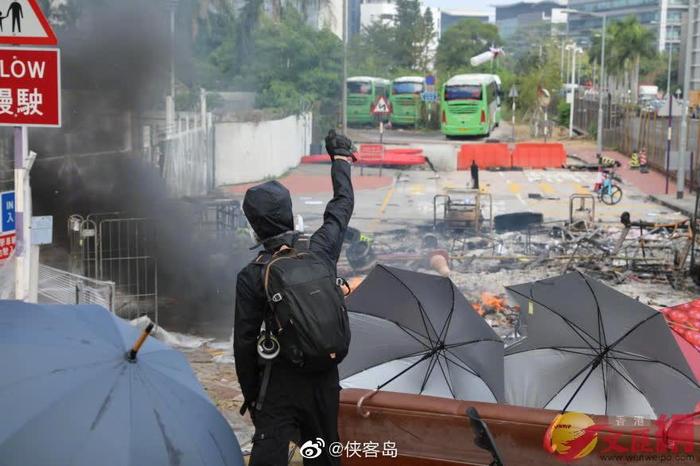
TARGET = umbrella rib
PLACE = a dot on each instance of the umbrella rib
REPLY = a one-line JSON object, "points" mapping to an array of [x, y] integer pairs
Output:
{"points": [[590, 363], [411, 335], [410, 355], [656, 361], [423, 314], [446, 326], [431, 366], [602, 340], [625, 378], [573, 326], [459, 364], [578, 389], [605, 385], [610, 347], [470, 371], [449, 385], [426, 356], [465, 343]]}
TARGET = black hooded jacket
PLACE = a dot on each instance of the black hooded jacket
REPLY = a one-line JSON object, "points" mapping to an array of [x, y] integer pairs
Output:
{"points": [[268, 208]]}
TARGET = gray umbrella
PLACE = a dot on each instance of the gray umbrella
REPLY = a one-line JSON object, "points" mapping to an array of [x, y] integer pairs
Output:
{"points": [[68, 394], [592, 349], [416, 333]]}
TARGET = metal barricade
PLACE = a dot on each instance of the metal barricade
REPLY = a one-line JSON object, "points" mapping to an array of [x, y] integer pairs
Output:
{"points": [[61, 287]]}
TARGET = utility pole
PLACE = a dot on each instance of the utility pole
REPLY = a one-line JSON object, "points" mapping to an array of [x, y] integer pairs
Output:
{"points": [[689, 46], [573, 90], [344, 105], [669, 97], [599, 138]]}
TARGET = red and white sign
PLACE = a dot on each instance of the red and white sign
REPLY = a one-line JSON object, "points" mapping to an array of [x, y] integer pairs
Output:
{"points": [[381, 107], [23, 23], [371, 153], [30, 87], [7, 245]]}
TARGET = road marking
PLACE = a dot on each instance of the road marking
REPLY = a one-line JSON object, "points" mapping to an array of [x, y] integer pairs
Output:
{"points": [[547, 188], [580, 189], [387, 198], [417, 188], [514, 187]]}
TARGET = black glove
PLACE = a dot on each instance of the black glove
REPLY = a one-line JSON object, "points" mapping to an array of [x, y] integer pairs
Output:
{"points": [[338, 144]]}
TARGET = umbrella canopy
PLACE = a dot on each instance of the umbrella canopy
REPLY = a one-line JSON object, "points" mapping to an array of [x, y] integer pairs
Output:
{"points": [[68, 394], [590, 348], [416, 333]]}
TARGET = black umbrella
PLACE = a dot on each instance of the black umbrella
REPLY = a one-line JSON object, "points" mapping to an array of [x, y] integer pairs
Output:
{"points": [[416, 333], [592, 349]]}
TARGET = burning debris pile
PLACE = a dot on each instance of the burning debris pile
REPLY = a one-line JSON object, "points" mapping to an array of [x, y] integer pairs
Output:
{"points": [[496, 310]]}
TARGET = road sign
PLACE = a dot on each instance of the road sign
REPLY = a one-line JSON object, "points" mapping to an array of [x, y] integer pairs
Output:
{"points": [[7, 211], [513, 92], [429, 96], [30, 87], [381, 107], [25, 24], [430, 80], [7, 245]]}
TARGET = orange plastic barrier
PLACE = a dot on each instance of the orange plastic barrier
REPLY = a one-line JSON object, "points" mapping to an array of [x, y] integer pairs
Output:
{"points": [[486, 156], [539, 155]]}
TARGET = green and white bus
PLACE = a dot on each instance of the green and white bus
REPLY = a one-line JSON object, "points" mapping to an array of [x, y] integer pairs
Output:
{"points": [[363, 92], [406, 102], [470, 105]]}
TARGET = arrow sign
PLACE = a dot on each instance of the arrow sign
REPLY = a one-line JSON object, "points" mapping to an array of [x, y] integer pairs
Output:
{"points": [[23, 23], [381, 107], [513, 92]]}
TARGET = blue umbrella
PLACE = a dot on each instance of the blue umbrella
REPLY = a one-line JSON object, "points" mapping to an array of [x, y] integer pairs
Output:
{"points": [[70, 394]]}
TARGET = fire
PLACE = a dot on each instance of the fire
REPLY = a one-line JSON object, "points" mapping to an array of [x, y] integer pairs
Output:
{"points": [[492, 303]]}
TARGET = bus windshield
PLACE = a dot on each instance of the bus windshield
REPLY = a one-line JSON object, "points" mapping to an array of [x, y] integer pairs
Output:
{"points": [[360, 88], [407, 88], [463, 92]]}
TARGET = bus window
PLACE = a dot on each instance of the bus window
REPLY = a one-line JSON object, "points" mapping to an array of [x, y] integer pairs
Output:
{"points": [[359, 88], [407, 88], [463, 92]]}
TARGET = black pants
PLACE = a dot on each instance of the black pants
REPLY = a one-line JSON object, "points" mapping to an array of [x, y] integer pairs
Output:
{"points": [[298, 407]]}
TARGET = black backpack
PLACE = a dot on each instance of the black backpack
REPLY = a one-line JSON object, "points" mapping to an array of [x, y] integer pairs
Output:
{"points": [[306, 311]]}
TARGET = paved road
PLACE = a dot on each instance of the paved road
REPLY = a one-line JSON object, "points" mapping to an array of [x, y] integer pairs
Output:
{"points": [[405, 136]]}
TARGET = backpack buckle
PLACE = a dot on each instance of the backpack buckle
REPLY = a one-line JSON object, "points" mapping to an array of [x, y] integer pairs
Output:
{"points": [[276, 298]]}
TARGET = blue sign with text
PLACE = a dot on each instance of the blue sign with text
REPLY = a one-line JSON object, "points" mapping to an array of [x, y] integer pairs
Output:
{"points": [[428, 96], [7, 211]]}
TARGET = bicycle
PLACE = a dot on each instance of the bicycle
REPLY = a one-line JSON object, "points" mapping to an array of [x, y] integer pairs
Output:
{"points": [[610, 193]]}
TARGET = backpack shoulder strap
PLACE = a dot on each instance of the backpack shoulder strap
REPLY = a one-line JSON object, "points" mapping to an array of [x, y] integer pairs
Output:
{"points": [[280, 254]]}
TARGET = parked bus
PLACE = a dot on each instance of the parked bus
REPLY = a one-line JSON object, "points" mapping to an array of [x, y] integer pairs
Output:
{"points": [[469, 105], [406, 101], [363, 92]]}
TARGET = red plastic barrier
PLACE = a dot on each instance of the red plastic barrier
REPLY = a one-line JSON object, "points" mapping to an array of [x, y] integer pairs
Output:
{"points": [[486, 156], [539, 155], [390, 158]]}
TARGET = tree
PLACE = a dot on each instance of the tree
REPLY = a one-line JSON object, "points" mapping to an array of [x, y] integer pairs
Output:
{"points": [[627, 42], [296, 64], [461, 42]]}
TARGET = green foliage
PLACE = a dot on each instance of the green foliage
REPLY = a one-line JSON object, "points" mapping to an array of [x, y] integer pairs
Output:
{"points": [[537, 68], [563, 111], [463, 41], [626, 41], [295, 64], [396, 48]]}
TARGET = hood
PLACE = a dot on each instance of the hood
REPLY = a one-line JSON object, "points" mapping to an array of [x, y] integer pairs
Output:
{"points": [[268, 208]]}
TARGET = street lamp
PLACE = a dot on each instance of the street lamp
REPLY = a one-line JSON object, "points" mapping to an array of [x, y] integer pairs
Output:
{"points": [[574, 50], [689, 49], [599, 135]]}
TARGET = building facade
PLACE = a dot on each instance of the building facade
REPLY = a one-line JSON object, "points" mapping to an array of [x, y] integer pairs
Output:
{"points": [[664, 17], [449, 18], [511, 18]]}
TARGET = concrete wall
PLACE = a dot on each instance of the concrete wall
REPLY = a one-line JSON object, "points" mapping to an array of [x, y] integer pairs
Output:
{"points": [[247, 152]]}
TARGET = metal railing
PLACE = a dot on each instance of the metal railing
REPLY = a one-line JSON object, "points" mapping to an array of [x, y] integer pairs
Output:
{"points": [[60, 287]]}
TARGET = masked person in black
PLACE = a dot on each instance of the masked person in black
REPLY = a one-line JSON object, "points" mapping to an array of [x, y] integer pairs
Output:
{"points": [[298, 406]]}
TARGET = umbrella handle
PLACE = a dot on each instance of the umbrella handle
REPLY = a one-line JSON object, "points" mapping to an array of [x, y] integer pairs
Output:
{"points": [[131, 355], [363, 412]]}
